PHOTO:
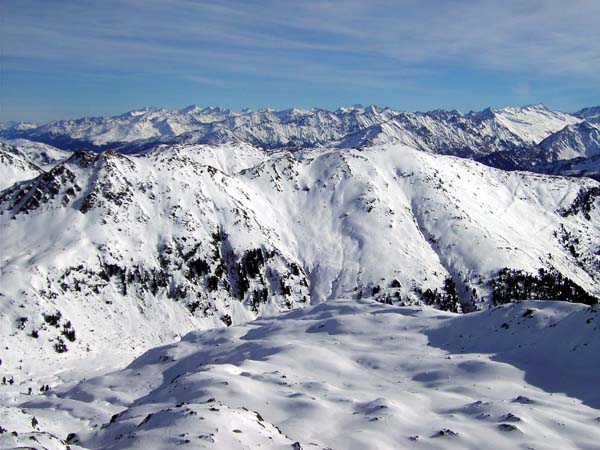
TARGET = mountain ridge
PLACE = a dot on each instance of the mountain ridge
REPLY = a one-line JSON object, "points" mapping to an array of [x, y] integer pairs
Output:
{"points": [[508, 138], [191, 234], [111, 253]]}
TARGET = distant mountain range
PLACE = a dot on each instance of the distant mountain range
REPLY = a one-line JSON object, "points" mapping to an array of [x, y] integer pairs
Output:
{"points": [[515, 138]]}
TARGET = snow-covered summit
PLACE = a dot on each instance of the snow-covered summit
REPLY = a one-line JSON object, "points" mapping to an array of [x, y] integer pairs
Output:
{"points": [[531, 124], [581, 140], [591, 114], [147, 247], [304, 127], [15, 168]]}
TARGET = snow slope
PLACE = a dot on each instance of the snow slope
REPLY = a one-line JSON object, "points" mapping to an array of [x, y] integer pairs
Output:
{"points": [[109, 253], [574, 141], [532, 123], [105, 256], [42, 155], [350, 374], [14, 168], [591, 114]]}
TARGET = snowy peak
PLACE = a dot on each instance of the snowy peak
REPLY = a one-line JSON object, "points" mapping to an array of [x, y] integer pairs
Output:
{"points": [[14, 167], [439, 132], [590, 114], [514, 130], [531, 124], [17, 126], [42, 155], [574, 141], [189, 237]]}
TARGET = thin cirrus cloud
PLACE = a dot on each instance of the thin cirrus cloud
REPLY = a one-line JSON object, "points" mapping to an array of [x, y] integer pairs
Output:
{"points": [[547, 35], [374, 44]]}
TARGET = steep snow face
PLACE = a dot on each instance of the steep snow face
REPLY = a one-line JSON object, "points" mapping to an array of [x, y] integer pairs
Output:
{"points": [[42, 155], [350, 374], [114, 253], [135, 251], [14, 168], [534, 123], [573, 141], [439, 132]]}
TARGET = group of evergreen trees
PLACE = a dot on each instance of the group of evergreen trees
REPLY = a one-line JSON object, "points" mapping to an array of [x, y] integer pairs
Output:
{"points": [[447, 300], [513, 284]]}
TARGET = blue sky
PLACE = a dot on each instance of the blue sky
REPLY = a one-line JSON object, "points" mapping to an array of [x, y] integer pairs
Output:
{"points": [[73, 58]]}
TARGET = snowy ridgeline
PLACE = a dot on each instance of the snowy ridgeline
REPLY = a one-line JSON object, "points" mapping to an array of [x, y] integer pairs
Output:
{"points": [[114, 253], [346, 374], [518, 137], [104, 256]]}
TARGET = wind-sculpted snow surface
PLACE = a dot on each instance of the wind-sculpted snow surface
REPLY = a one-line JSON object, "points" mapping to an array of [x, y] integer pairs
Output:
{"points": [[351, 374], [114, 253]]}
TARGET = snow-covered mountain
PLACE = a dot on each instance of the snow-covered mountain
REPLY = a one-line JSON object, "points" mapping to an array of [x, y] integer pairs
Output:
{"points": [[507, 138], [450, 132], [435, 132], [14, 167], [336, 215], [591, 114], [581, 140], [267, 128], [17, 126], [42, 155], [115, 253], [531, 124]]}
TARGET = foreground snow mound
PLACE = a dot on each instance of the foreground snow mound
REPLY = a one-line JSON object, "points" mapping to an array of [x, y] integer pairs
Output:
{"points": [[351, 374]]}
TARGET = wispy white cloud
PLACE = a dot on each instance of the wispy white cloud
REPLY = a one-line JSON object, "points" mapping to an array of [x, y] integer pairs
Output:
{"points": [[312, 39], [205, 80]]}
